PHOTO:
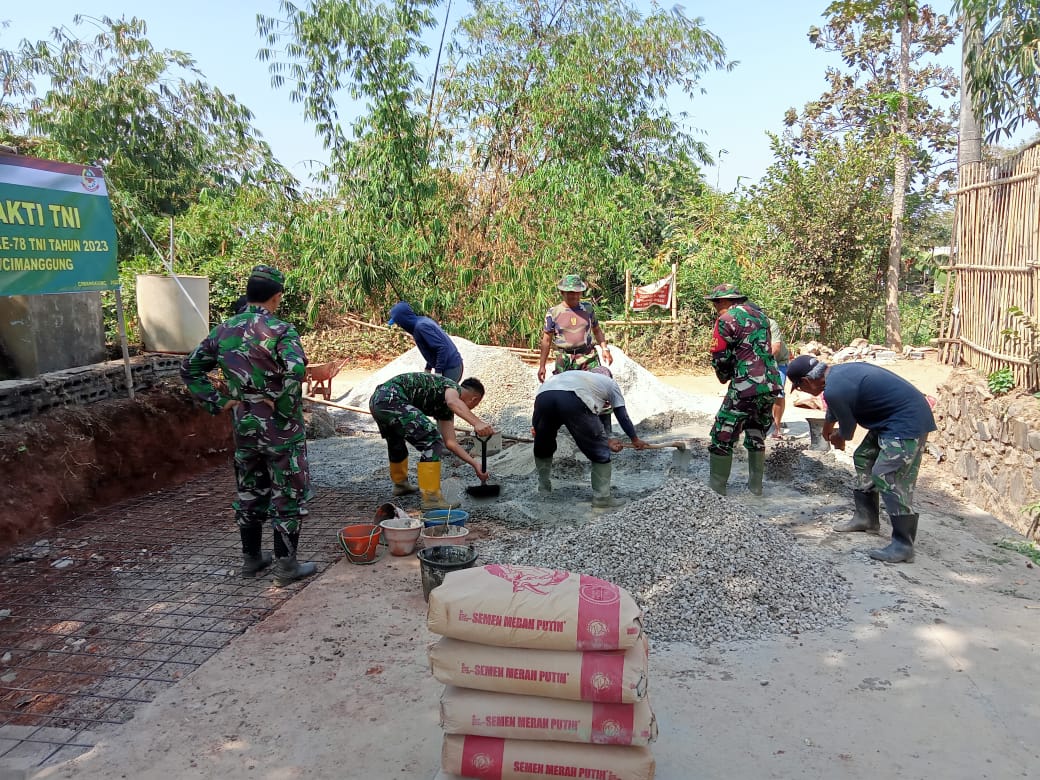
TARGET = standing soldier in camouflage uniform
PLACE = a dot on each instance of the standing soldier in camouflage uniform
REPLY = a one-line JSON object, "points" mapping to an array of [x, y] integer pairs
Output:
{"points": [[741, 355], [402, 407], [570, 327], [263, 365], [898, 419]]}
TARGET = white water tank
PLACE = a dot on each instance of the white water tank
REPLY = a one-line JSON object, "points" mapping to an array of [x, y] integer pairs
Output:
{"points": [[169, 322]]}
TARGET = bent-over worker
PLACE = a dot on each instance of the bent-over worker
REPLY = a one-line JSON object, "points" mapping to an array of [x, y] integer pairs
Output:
{"points": [[582, 401], [402, 407], [898, 419], [436, 347]]}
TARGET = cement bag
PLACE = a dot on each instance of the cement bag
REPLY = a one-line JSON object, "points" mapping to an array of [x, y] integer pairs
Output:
{"points": [[492, 758], [617, 676], [509, 716], [525, 606]]}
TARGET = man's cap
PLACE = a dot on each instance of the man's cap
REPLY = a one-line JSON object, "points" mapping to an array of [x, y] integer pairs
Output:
{"points": [[269, 274], [571, 283], [602, 370], [724, 292], [805, 366]]}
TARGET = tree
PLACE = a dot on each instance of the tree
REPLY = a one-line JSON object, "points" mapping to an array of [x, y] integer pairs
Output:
{"points": [[548, 146], [584, 80], [1002, 63], [827, 220], [889, 43], [162, 138]]}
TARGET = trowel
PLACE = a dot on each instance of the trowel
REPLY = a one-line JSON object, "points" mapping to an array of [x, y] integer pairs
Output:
{"points": [[483, 490]]}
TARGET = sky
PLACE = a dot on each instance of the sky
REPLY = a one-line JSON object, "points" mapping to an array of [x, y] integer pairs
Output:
{"points": [[778, 68]]}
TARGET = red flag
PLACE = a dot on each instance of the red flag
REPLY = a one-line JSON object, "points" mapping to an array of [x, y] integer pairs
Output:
{"points": [[657, 294]]}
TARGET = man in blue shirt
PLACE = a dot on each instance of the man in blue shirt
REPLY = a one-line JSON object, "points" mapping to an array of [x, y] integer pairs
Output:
{"points": [[434, 344], [898, 419]]}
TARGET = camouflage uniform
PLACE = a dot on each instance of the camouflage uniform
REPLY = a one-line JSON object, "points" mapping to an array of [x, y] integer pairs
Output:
{"points": [[261, 359], [572, 336], [402, 408], [741, 356]]}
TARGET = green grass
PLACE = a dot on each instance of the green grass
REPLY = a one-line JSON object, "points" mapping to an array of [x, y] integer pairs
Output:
{"points": [[1028, 549]]}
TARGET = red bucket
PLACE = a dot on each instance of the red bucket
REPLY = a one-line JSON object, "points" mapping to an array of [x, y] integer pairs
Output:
{"points": [[361, 542]]}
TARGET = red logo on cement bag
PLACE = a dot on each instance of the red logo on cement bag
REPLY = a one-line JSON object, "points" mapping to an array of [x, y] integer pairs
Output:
{"points": [[599, 614], [482, 757], [529, 578]]}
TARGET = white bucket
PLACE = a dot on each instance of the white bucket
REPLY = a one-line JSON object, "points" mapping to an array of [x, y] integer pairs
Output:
{"points": [[169, 322], [436, 535]]}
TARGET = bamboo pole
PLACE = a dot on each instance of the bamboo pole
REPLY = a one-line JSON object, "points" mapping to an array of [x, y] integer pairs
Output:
{"points": [[675, 292]]}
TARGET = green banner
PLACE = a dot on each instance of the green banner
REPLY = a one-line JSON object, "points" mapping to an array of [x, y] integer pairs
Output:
{"points": [[56, 228]]}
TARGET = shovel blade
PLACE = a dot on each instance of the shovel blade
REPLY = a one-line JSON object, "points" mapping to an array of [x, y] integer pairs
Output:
{"points": [[681, 459], [484, 491]]}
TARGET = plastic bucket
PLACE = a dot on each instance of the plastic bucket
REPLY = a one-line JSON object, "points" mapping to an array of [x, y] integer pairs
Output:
{"points": [[436, 562], [816, 439], [445, 517], [437, 535], [401, 540], [360, 542]]}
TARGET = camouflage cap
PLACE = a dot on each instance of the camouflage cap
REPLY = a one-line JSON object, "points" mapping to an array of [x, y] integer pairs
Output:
{"points": [[268, 273], [572, 283], [724, 292]]}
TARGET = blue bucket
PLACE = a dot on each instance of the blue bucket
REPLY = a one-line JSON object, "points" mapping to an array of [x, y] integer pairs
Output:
{"points": [[445, 517]]}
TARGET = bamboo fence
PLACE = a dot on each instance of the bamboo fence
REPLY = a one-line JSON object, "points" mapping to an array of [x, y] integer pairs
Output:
{"points": [[995, 265]]}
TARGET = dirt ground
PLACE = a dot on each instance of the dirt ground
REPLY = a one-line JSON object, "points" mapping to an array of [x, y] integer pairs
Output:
{"points": [[74, 460], [927, 678]]}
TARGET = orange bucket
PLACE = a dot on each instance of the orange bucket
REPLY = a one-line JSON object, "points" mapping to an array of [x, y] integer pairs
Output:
{"points": [[360, 542]]}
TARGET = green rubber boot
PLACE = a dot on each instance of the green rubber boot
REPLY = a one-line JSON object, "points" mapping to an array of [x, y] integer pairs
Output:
{"points": [[720, 467], [544, 468], [756, 464], [601, 497]]}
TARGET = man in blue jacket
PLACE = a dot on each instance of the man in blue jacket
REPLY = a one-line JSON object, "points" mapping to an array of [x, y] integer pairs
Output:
{"points": [[434, 344], [897, 418]]}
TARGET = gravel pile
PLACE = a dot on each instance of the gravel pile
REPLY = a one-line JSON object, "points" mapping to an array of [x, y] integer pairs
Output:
{"points": [[703, 567]]}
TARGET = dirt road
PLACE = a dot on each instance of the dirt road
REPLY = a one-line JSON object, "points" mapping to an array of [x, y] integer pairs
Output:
{"points": [[928, 678]]}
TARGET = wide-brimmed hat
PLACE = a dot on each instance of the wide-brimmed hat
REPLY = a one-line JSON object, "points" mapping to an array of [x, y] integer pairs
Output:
{"points": [[572, 283], [724, 292]]}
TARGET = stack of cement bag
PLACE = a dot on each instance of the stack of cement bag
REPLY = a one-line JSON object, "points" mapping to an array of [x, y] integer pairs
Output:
{"points": [[545, 674]]}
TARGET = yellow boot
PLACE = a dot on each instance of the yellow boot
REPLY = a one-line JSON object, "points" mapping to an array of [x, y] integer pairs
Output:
{"points": [[429, 475], [399, 476]]}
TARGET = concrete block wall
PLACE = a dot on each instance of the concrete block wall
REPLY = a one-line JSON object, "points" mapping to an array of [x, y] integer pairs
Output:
{"points": [[22, 399], [991, 445]]}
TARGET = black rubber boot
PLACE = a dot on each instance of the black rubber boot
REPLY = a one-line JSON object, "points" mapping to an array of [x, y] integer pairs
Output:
{"points": [[901, 548], [286, 568], [253, 559], [866, 516]]}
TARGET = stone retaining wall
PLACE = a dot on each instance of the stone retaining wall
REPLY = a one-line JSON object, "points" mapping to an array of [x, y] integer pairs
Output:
{"points": [[992, 444], [22, 399]]}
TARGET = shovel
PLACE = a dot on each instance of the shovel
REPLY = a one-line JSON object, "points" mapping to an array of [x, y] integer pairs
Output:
{"points": [[483, 490], [681, 458]]}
